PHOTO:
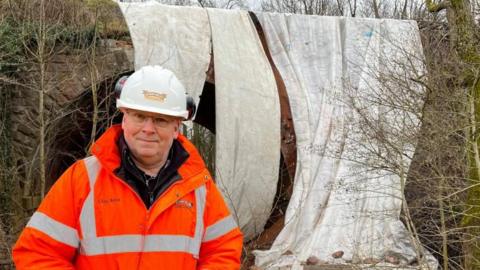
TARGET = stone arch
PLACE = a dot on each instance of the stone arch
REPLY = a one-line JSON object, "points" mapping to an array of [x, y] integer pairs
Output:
{"points": [[74, 131], [68, 77]]}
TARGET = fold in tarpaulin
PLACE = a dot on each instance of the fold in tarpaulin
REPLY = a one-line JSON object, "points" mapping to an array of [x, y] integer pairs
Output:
{"points": [[177, 38], [248, 120], [345, 78]]}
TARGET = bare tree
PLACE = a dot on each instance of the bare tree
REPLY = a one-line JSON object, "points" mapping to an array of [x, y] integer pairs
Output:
{"points": [[462, 28], [340, 7], [309, 7], [352, 7], [375, 8]]}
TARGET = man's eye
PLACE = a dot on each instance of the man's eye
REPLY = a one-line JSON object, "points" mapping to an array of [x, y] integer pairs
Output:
{"points": [[160, 120], [139, 116]]}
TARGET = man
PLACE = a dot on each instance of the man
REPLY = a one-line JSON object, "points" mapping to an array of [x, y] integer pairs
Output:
{"points": [[144, 200]]}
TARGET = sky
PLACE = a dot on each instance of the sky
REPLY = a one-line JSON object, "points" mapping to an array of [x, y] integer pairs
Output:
{"points": [[254, 4]]}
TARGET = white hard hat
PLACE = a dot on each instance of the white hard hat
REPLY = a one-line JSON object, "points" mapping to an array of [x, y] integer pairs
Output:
{"points": [[154, 89]]}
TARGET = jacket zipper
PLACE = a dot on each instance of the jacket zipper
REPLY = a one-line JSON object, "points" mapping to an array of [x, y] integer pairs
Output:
{"points": [[150, 191]]}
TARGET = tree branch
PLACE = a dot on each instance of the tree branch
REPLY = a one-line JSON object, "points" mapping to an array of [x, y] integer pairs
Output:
{"points": [[434, 8], [375, 9]]}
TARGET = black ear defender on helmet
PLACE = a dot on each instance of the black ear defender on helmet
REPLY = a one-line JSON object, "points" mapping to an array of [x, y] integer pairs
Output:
{"points": [[119, 86], [191, 106]]}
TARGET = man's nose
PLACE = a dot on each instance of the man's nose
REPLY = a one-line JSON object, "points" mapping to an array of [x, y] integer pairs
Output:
{"points": [[148, 125]]}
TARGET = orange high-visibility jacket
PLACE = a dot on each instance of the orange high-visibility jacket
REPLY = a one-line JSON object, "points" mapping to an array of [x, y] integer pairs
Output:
{"points": [[91, 219]]}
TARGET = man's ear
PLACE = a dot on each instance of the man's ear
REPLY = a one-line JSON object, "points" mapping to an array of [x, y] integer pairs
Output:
{"points": [[177, 128], [123, 120]]}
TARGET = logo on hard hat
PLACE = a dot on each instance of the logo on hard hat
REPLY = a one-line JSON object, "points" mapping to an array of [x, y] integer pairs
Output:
{"points": [[154, 96]]}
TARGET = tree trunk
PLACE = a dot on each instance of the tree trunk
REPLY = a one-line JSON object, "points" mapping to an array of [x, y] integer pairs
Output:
{"points": [[463, 25], [375, 9], [462, 36], [42, 92], [404, 10]]}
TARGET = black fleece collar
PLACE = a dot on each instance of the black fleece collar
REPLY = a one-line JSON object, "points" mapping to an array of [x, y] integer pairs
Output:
{"points": [[136, 178]]}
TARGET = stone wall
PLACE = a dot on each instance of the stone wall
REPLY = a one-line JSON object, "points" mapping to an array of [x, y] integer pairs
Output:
{"points": [[68, 76]]}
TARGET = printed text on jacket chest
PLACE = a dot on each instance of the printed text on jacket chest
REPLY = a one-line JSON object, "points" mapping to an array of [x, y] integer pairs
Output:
{"points": [[183, 204], [111, 200]]}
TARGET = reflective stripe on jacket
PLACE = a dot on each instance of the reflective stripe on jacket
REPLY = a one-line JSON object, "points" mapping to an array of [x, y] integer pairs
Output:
{"points": [[91, 219]]}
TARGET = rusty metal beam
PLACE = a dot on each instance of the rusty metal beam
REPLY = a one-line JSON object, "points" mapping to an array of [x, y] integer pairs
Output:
{"points": [[289, 149]]}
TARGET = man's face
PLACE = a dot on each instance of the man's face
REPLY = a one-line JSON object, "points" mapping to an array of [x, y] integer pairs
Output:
{"points": [[149, 135]]}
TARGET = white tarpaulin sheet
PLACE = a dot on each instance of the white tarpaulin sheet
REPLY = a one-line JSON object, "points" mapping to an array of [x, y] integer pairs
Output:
{"points": [[352, 125], [348, 82], [177, 38], [247, 122]]}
